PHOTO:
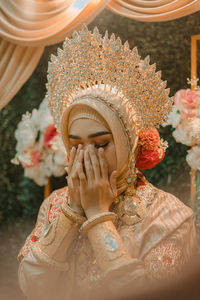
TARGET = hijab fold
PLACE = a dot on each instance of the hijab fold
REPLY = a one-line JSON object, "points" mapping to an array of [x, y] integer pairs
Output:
{"points": [[91, 107]]}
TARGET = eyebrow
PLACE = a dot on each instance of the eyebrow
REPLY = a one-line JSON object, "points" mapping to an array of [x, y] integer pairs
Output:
{"points": [[100, 133]]}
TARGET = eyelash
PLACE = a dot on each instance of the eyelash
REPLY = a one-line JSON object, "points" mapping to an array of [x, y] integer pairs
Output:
{"points": [[98, 146], [102, 146]]}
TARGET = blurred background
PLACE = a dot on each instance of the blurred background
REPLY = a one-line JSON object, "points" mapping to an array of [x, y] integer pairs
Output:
{"points": [[168, 44]]}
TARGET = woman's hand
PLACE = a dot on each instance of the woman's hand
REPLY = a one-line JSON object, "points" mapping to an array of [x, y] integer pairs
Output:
{"points": [[76, 157], [97, 190]]}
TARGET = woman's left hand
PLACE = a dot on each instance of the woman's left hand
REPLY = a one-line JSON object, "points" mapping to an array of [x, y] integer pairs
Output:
{"points": [[97, 190]]}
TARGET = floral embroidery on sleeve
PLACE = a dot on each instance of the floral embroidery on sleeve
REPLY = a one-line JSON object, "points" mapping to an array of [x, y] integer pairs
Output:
{"points": [[54, 208]]}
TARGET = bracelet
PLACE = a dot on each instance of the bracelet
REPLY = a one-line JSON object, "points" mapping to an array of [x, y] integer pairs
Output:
{"points": [[102, 217], [72, 215]]}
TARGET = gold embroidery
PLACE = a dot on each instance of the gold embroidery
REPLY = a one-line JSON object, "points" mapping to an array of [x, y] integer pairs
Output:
{"points": [[164, 260]]}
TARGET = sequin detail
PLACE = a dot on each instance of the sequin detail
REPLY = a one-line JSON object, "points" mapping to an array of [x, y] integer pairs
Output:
{"points": [[111, 243]]}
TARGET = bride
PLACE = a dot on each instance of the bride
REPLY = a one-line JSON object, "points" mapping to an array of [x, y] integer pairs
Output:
{"points": [[109, 225]]}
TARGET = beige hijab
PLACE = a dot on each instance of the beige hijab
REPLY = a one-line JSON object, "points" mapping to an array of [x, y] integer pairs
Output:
{"points": [[89, 106]]}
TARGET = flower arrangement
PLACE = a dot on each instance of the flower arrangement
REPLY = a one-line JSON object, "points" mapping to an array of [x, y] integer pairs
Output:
{"points": [[185, 121], [39, 148], [151, 149]]}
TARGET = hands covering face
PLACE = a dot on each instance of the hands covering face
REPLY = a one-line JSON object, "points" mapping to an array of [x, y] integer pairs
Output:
{"points": [[91, 189]]}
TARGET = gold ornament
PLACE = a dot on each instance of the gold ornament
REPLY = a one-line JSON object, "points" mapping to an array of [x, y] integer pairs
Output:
{"points": [[89, 60]]}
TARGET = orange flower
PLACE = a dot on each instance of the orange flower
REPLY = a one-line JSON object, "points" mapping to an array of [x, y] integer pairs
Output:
{"points": [[149, 140]]}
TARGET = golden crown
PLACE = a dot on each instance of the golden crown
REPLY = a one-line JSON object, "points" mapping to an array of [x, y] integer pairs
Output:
{"points": [[88, 60]]}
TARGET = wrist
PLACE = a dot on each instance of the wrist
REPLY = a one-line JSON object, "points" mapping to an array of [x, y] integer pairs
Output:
{"points": [[93, 212], [78, 209]]}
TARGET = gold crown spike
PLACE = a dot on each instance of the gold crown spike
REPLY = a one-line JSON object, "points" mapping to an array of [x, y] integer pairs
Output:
{"points": [[88, 59]]}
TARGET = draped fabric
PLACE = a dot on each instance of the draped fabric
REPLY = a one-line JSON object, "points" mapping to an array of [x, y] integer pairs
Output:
{"points": [[154, 10], [27, 26]]}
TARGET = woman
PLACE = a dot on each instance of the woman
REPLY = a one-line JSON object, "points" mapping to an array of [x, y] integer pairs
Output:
{"points": [[110, 225]]}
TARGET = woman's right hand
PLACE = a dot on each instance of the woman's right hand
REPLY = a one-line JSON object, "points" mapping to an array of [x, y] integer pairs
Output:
{"points": [[75, 157]]}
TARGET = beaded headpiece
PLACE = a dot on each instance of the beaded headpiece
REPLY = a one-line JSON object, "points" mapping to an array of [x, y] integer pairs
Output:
{"points": [[89, 60]]}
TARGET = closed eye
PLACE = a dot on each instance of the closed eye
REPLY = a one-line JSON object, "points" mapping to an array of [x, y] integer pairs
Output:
{"points": [[101, 146]]}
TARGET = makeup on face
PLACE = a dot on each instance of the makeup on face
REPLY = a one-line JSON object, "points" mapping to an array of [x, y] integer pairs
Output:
{"points": [[98, 139]]}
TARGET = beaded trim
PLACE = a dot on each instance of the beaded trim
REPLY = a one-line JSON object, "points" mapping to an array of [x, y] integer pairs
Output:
{"points": [[72, 215], [102, 217]]}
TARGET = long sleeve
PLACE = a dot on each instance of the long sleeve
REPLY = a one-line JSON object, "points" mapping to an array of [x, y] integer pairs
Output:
{"points": [[44, 269], [156, 248]]}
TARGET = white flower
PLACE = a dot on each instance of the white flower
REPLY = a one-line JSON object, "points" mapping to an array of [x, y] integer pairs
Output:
{"points": [[181, 135], [193, 127], [58, 170], [36, 118], [37, 173], [174, 118], [25, 134], [193, 158], [46, 117], [38, 160], [60, 157], [15, 161]]}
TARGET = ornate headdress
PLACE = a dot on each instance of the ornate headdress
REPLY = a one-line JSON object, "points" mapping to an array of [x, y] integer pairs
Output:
{"points": [[89, 61], [97, 68]]}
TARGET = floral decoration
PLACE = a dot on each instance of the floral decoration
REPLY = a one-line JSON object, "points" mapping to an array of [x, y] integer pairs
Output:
{"points": [[185, 121], [151, 149], [39, 148]]}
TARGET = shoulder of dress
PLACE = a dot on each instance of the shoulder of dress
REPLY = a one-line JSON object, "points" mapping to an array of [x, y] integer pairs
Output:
{"points": [[173, 204], [166, 210], [161, 200]]}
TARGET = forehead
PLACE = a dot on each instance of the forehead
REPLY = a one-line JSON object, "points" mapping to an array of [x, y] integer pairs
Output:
{"points": [[85, 127]]}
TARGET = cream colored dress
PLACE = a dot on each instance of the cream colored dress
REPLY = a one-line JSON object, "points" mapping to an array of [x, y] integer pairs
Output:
{"points": [[57, 262]]}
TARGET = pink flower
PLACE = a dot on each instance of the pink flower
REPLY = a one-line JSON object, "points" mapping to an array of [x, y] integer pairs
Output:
{"points": [[50, 133], [34, 159], [187, 102]]}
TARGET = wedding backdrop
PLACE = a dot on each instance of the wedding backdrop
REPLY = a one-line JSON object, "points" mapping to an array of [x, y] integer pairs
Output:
{"points": [[167, 43], [30, 32]]}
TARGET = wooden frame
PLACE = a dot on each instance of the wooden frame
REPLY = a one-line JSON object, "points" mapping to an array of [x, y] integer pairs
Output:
{"points": [[194, 40], [47, 189]]}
